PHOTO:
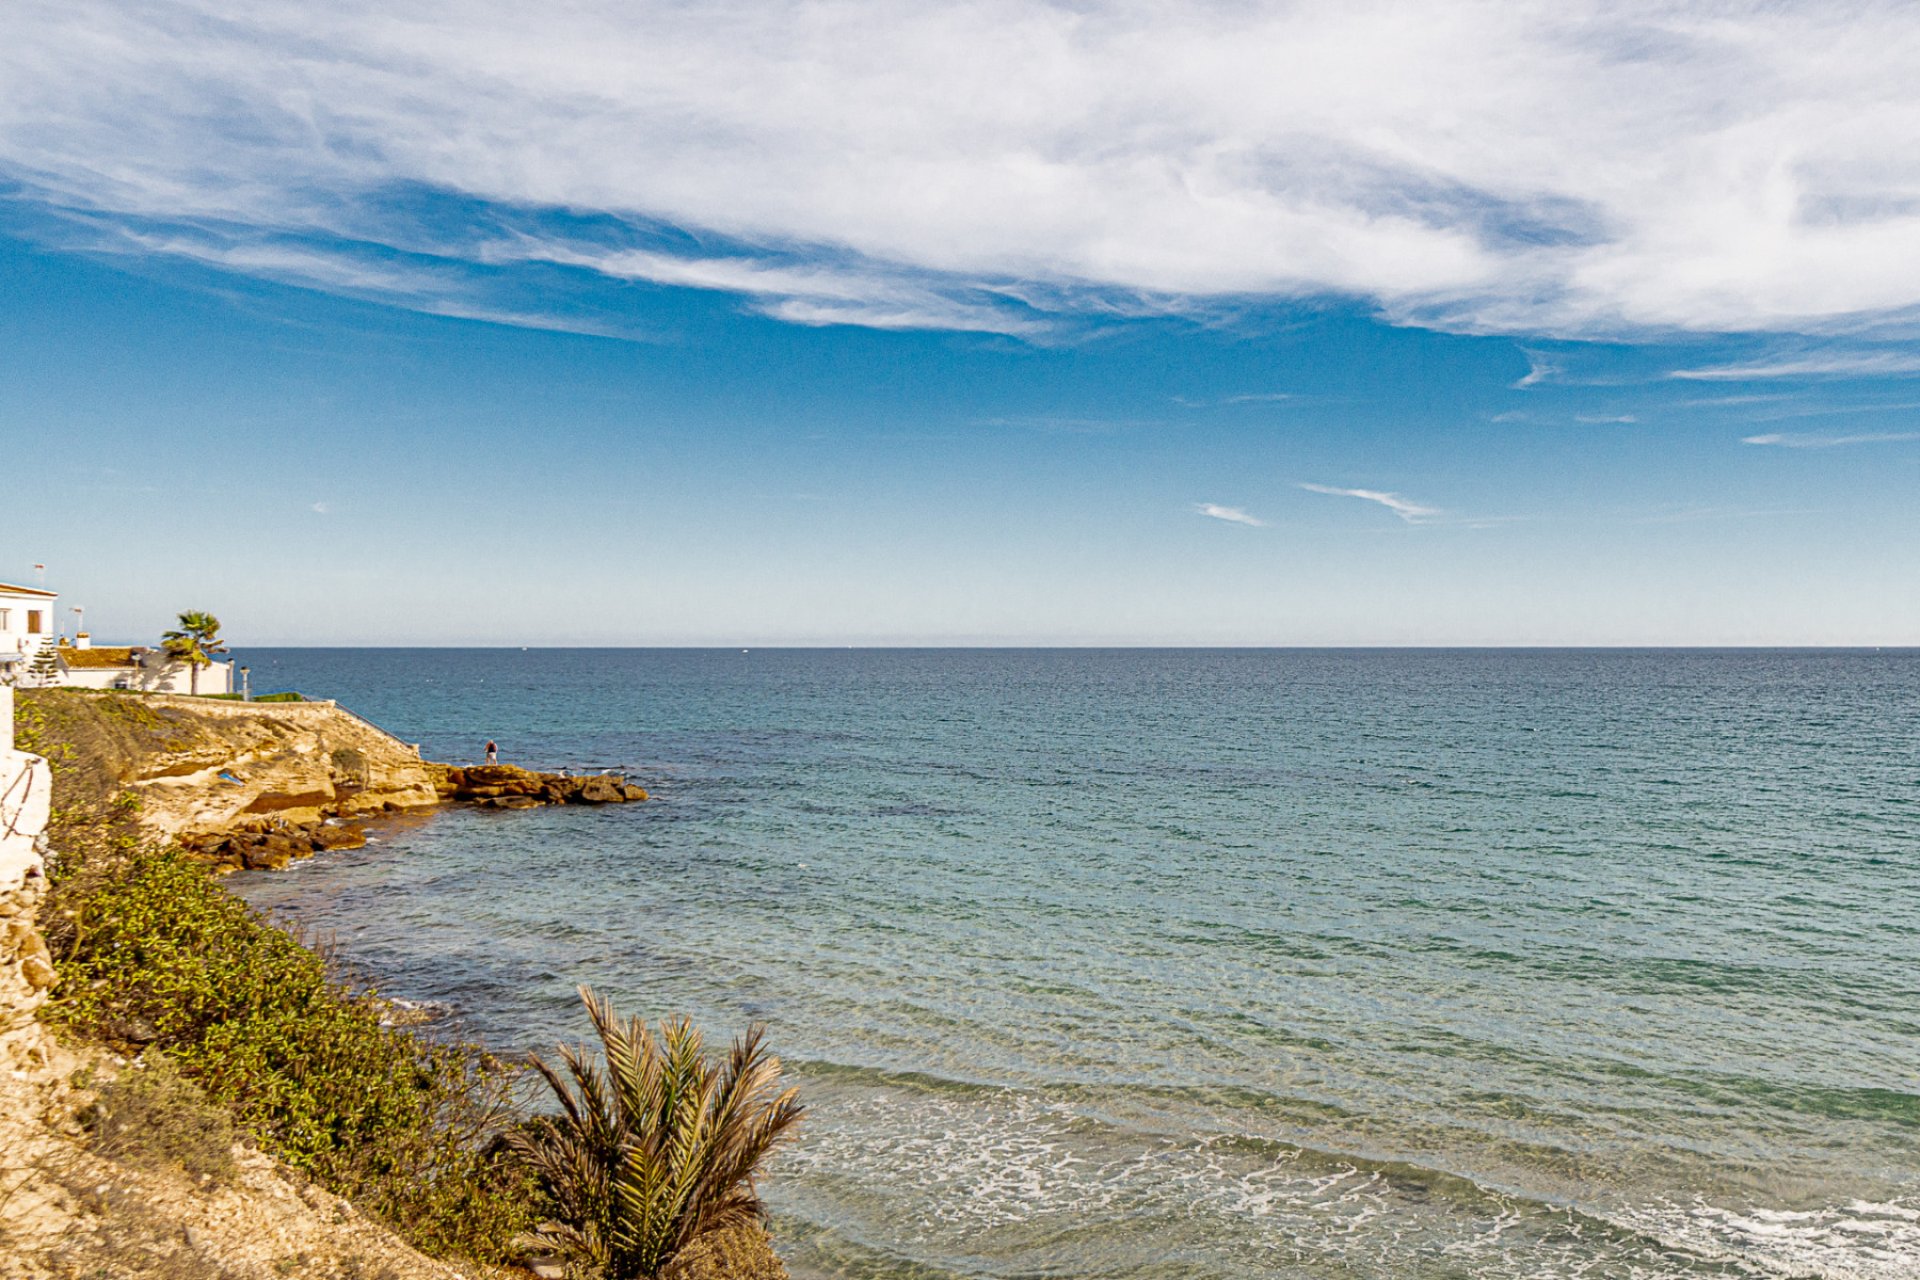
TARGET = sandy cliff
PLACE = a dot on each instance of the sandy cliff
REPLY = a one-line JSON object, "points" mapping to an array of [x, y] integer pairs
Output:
{"points": [[202, 766], [240, 784], [256, 785]]}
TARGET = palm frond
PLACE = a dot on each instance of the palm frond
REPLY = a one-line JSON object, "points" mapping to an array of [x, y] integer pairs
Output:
{"points": [[659, 1146]]}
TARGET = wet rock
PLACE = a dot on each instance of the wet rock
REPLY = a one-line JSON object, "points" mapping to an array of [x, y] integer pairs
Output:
{"points": [[601, 790], [344, 836], [272, 854]]}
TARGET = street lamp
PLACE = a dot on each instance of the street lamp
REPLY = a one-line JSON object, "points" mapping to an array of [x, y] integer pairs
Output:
{"points": [[246, 685]]}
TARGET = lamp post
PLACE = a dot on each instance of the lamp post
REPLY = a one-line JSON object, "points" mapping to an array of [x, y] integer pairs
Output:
{"points": [[246, 685]]}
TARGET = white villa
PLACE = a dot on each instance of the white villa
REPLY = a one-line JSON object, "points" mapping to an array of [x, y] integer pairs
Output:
{"points": [[26, 627], [33, 653]]}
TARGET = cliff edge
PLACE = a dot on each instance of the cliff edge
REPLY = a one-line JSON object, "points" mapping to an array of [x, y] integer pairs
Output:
{"points": [[203, 767], [258, 784]]}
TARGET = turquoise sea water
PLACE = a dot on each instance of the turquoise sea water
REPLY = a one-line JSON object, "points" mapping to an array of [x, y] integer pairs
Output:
{"points": [[1215, 964]]}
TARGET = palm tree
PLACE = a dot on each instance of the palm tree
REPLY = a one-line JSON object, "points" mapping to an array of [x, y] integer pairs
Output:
{"points": [[659, 1147], [196, 643]]}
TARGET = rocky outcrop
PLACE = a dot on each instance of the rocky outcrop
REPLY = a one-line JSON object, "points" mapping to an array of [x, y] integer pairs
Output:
{"points": [[507, 786], [257, 766], [271, 844], [203, 767], [255, 786]]}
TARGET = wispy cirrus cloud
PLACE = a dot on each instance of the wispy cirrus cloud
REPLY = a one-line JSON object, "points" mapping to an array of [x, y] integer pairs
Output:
{"points": [[1839, 364], [1808, 440], [1540, 368], [1569, 168], [1232, 515], [1225, 402], [1411, 512]]}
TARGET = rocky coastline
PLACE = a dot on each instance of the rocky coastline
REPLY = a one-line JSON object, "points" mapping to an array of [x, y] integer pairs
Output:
{"points": [[255, 786], [508, 786], [269, 843]]}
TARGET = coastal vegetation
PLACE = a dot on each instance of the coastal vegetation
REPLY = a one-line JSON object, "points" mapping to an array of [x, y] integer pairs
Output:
{"points": [[242, 1026], [196, 642], [656, 1148], [156, 959]]}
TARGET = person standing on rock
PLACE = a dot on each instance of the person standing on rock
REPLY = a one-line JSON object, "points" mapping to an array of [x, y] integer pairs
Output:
{"points": [[493, 752]]}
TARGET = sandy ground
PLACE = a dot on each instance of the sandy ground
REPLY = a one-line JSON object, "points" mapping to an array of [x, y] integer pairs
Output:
{"points": [[68, 1213]]}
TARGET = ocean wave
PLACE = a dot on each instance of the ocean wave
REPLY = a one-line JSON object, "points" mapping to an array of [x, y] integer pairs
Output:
{"points": [[1857, 1240], [1003, 1182]]}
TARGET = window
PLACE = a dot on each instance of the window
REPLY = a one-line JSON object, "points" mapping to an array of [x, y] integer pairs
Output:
{"points": [[33, 622], [6, 616]]}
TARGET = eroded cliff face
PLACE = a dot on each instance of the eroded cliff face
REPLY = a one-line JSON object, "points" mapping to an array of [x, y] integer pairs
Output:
{"points": [[202, 767], [228, 763]]}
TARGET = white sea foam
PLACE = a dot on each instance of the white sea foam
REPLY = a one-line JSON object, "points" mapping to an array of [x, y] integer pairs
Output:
{"points": [[1858, 1240], [959, 1172]]}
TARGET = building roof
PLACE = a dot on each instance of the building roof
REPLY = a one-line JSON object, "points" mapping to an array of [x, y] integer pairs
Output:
{"points": [[100, 656], [8, 589]]}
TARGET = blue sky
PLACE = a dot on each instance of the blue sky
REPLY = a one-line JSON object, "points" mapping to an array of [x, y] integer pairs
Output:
{"points": [[1006, 324]]}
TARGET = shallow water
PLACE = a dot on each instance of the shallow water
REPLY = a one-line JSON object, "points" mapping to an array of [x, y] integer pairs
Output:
{"points": [[1215, 963]]}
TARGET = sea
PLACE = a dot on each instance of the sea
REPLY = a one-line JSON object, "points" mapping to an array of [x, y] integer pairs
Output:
{"points": [[1148, 964]]}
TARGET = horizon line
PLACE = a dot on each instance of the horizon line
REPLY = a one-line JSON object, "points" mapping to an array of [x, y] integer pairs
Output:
{"points": [[1857, 647]]}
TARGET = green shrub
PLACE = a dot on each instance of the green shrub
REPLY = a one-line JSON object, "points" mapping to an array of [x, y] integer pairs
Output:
{"points": [[158, 953]]}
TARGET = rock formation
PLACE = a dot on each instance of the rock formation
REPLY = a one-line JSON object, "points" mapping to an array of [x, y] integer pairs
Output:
{"points": [[257, 785], [507, 786]]}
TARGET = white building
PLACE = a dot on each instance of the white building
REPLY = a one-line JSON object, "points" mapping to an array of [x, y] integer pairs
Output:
{"points": [[85, 665], [28, 632], [26, 626]]}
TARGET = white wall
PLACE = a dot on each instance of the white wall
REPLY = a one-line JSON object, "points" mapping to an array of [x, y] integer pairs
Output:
{"points": [[26, 792], [172, 678], [14, 637]]}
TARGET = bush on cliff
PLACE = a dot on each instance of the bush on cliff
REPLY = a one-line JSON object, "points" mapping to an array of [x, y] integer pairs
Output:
{"points": [[158, 955]]}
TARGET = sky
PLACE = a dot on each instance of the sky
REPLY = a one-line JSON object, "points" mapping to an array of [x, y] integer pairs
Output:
{"points": [[621, 322]]}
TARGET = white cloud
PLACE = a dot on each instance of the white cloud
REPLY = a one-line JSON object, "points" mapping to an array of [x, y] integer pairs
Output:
{"points": [[1411, 512], [321, 509], [1565, 167], [1539, 370], [1793, 440], [1841, 364], [1232, 515], [1225, 402]]}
